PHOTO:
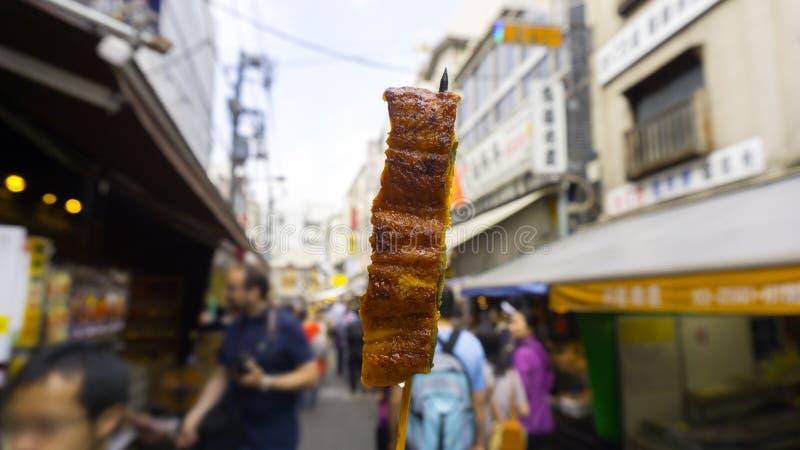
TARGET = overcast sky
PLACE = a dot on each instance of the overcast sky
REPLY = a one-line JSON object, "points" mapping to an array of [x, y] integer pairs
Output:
{"points": [[324, 110]]}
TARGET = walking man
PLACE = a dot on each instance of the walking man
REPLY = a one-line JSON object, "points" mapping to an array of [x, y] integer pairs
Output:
{"points": [[264, 363]]}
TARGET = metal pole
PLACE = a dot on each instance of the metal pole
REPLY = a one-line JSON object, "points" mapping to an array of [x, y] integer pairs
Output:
{"points": [[235, 107], [563, 209]]}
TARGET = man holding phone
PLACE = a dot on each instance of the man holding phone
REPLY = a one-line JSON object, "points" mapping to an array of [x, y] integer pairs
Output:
{"points": [[264, 363]]}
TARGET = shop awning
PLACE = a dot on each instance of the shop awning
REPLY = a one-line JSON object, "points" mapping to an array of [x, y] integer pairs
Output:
{"points": [[463, 232], [506, 291], [734, 252], [104, 120], [773, 291]]}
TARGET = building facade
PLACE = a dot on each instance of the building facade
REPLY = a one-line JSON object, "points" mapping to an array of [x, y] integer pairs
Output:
{"points": [[691, 99], [677, 112], [523, 131], [184, 77]]}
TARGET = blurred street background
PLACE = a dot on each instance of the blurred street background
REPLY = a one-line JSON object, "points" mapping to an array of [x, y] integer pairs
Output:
{"points": [[339, 420], [623, 208]]}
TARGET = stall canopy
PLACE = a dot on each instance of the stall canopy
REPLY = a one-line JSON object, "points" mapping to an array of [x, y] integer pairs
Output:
{"points": [[103, 120], [737, 252], [466, 230]]}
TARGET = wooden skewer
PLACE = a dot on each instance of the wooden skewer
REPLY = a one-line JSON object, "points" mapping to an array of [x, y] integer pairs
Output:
{"points": [[405, 402], [402, 424]]}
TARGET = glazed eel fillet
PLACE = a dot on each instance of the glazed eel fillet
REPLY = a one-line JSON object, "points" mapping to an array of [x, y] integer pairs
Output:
{"points": [[409, 216]]}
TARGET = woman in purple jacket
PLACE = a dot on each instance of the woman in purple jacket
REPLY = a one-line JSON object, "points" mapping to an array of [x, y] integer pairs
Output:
{"points": [[533, 365]]}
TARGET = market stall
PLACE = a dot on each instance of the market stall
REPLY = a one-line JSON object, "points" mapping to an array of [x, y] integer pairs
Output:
{"points": [[488, 310], [113, 219], [688, 317]]}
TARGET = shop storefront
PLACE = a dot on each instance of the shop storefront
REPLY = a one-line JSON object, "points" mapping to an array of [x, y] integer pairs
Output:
{"points": [[502, 234], [688, 316], [106, 213], [559, 333]]}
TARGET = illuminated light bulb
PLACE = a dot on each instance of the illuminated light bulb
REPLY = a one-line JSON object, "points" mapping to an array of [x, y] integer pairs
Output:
{"points": [[73, 206], [49, 199], [15, 183]]}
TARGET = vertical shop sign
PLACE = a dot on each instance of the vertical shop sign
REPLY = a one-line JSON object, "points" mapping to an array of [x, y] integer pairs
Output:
{"points": [[549, 127]]}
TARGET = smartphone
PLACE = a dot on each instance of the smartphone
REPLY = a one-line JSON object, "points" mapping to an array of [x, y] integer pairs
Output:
{"points": [[241, 363]]}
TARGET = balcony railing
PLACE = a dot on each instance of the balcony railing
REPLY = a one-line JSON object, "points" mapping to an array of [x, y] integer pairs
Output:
{"points": [[678, 133]]}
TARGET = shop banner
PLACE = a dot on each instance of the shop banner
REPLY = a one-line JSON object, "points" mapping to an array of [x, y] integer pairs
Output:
{"points": [[14, 282], [770, 291], [723, 166]]}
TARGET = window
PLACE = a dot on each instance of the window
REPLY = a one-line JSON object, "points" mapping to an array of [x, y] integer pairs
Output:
{"points": [[506, 105], [672, 84], [506, 60], [482, 128], [484, 80], [466, 107], [466, 139], [671, 120], [541, 70]]}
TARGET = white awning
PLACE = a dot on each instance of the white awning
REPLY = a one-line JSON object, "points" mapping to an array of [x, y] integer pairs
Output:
{"points": [[465, 231], [755, 227]]}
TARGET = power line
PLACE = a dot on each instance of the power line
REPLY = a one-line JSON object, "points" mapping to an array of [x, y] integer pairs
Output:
{"points": [[309, 45]]}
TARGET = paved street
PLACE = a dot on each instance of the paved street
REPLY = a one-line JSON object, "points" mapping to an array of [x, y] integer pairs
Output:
{"points": [[339, 421]]}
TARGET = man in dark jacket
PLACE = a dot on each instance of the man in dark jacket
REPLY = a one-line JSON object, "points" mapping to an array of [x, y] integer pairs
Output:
{"points": [[264, 363]]}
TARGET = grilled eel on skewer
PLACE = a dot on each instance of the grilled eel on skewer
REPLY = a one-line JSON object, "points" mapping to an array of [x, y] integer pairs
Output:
{"points": [[409, 217]]}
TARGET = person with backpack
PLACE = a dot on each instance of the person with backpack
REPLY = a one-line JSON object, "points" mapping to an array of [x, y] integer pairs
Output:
{"points": [[447, 411], [532, 362], [505, 396]]}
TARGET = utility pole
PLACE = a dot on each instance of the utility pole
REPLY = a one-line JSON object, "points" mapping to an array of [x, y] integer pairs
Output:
{"points": [[235, 106], [239, 143]]}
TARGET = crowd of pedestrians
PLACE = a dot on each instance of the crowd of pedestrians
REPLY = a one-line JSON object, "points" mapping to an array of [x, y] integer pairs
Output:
{"points": [[489, 387]]}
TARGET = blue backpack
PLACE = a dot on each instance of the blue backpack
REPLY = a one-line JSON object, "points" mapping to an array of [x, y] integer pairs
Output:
{"points": [[441, 415]]}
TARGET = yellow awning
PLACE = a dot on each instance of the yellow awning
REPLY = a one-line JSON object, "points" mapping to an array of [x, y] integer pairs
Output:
{"points": [[772, 291]]}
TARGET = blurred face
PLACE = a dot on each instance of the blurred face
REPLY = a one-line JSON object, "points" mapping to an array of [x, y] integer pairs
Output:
{"points": [[518, 327], [47, 415], [234, 289]]}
